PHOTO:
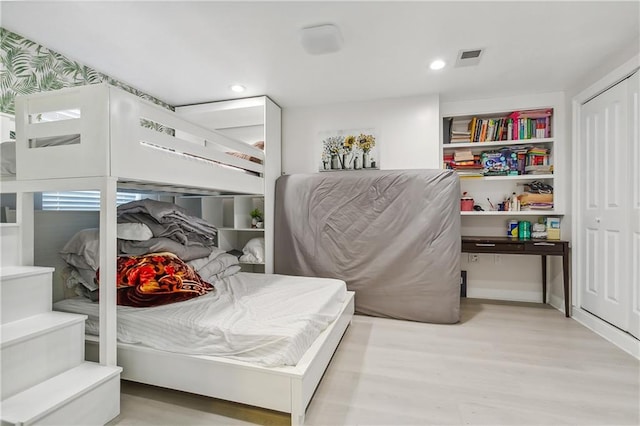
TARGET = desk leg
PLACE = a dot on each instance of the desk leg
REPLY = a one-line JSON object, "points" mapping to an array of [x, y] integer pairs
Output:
{"points": [[544, 279], [565, 282]]}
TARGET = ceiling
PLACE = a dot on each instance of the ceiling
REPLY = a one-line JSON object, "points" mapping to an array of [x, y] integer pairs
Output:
{"points": [[191, 52]]}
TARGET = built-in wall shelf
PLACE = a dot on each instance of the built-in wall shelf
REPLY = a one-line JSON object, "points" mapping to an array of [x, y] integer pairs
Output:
{"points": [[482, 145], [231, 215], [511, 213], [241, 229], [513, 177], [511, 148]]}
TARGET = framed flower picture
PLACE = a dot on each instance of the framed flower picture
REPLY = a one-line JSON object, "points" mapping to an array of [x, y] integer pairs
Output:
{"points": [[355, 149]]}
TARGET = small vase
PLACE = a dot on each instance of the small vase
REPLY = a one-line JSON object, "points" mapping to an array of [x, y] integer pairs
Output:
{"points": [[335, 163], [346, 161], [356, 163], [325, 164], [366, 161]]}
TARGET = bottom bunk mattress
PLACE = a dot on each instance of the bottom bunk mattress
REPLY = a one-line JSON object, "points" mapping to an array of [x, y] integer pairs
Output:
{"points": [[393, 236], [265, 319]]}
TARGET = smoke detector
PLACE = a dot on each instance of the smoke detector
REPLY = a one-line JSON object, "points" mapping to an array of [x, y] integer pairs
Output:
{"points": [[469, 57], [321, 39]]}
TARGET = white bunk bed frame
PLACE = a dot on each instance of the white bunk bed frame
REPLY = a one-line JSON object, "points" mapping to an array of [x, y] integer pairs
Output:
{"points": [[115, 150]]}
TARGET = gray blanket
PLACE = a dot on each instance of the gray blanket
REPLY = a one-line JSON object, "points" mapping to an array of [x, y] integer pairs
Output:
{"points": [[167, 220], [393, 236], [185, 252]]}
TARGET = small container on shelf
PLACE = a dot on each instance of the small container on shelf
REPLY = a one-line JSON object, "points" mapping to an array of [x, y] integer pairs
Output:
{"points": [[524, 230], [466, 203], [553, 228]]}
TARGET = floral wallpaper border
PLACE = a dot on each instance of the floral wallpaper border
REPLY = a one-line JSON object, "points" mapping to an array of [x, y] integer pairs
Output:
{"points": [[27, 67]]}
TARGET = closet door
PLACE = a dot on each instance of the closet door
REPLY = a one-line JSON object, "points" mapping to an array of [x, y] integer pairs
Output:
{"points": [[604, 277], [634, 197]]}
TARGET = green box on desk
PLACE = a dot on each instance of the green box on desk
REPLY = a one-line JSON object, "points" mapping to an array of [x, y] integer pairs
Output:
{"points": [[553, 228]]}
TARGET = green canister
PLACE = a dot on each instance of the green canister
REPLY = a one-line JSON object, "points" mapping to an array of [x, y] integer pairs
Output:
{"points": [[524, 230]]}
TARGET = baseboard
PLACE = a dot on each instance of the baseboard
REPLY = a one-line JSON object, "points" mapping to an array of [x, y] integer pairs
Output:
{"points": [[623, 340], [557, 302], [502, 294]]}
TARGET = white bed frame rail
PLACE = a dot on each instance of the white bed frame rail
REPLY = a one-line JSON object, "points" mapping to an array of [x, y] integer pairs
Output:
{"points": [[114, 143]]}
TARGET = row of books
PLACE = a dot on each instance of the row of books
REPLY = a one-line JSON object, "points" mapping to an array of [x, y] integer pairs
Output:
{"points": [[518, 125], [502, 162]]}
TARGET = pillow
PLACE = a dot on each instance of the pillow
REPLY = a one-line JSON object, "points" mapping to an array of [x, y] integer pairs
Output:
{"points": [[253, 251], [83, 249], [8, 158], [77, 280], [134, 232], [259, 145]]}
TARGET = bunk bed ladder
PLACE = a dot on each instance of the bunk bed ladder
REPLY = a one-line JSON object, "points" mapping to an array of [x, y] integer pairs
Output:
{"points": [[45, 378]]}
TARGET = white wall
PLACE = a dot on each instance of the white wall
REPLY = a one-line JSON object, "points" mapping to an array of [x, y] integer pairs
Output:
{"points": [[407, 132]]}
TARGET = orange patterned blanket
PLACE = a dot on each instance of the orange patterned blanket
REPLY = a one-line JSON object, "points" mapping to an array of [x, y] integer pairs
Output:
{"points": [[156, 279]]}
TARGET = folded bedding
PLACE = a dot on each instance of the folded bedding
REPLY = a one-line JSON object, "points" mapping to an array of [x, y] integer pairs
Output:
{"points": [[270, 320], [186, 252], [216, 266], [168, 220], [82, 254]]}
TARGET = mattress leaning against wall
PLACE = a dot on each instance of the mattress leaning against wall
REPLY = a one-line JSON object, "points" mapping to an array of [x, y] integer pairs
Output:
{"points": [[393, 236]]}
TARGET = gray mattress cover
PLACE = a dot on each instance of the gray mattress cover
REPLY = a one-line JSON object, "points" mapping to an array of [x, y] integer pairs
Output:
{"points": [[393, 236]]}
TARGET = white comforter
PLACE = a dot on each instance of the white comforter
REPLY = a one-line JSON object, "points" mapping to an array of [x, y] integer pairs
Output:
{"points": [[265, 319]]}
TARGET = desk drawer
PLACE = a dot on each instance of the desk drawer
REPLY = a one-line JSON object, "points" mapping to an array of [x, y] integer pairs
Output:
{"points": [[488, 247], [545, 247]]}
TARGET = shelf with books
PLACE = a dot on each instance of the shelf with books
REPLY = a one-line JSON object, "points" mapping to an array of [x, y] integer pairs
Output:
{"points": [[504, 156], [484, 145], [505, 126], [503, 161]]}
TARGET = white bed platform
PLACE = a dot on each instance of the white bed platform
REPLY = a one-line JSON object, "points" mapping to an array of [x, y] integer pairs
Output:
{"points": [[285, 389], [116, 151]]}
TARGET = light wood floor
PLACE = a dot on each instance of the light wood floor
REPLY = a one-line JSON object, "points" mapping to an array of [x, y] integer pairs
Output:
{"points": [[503, 364]]}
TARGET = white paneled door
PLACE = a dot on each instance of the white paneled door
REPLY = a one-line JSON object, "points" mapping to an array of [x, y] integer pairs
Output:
{"points": [[634, 198], [604, 204]]}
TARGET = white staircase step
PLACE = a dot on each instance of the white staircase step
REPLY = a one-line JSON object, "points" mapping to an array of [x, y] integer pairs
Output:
{"points": [[39, 347], [88, 394], [24, 291], [9, 237]]}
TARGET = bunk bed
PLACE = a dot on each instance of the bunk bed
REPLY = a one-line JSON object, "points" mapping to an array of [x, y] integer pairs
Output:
{"points": [[117, 140]]}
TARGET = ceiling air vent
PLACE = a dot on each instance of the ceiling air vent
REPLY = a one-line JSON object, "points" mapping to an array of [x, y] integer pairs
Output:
{"points": [[468, 57]]}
